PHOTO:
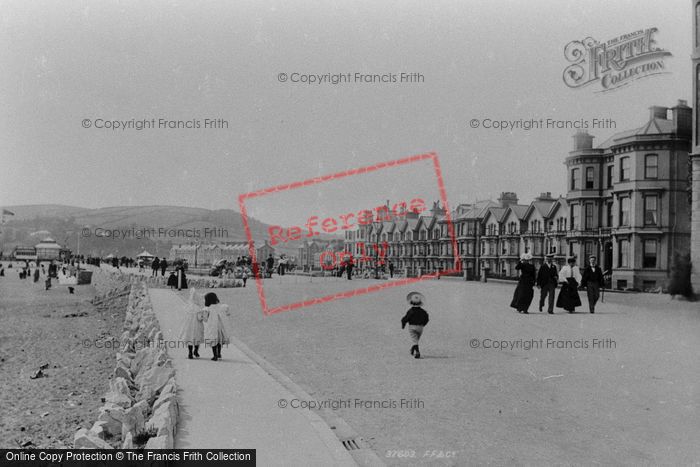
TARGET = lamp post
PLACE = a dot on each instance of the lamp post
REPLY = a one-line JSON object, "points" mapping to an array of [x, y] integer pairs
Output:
{"points": [[376, 226]]}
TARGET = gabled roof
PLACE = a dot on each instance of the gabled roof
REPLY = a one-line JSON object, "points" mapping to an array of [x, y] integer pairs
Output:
{"points": [[427, 220], [411, 223], [478, 210], [542, 207], [495, 212], [561, 201], [518, 209]]}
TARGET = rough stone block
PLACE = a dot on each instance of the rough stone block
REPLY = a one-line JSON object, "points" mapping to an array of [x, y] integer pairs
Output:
{"points": [[83, 439]]}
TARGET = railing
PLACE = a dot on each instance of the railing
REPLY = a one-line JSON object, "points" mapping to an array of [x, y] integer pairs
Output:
{"points": [[602, 232]]}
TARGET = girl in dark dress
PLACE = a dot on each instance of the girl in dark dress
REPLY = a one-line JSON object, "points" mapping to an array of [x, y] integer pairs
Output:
{"points": [[524, 292]]}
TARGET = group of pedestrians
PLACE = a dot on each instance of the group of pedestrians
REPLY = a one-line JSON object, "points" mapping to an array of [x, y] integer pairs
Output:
{"points": [[157, 264], [547, 280]]}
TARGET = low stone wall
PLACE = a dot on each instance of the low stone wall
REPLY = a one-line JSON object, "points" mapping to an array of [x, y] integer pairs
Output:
{"points": [[161, 281], [140, 410]]}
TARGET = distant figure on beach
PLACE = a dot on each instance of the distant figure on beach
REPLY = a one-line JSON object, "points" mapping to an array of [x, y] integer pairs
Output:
{"points": [[192, 332], [217, 324], [36, 274], [163, 266], [47, 283], [416, 318], [155, 265], [570, 276], [522, 298]]}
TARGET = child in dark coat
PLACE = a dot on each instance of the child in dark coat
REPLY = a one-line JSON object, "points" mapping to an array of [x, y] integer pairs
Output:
{"points": [[416, 318]]}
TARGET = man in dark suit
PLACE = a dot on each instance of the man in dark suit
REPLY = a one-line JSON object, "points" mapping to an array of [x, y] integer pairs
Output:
{"points": [[593, 281], [547, 279]]}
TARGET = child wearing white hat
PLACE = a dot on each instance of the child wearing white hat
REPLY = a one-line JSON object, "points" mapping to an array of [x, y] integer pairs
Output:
{"points": [[416, 318]]}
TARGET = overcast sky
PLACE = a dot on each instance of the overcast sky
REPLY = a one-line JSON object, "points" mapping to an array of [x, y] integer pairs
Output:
{"points": [[64, 62]]}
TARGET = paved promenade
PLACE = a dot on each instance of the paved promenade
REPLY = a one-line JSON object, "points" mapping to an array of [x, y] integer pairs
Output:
{"points": [[233, 403]]}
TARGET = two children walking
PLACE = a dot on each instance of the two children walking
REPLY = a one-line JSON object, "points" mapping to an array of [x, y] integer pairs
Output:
{"points": [[210, 325]]}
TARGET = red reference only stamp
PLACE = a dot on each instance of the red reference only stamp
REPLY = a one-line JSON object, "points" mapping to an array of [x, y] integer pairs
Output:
{"points": [[360, 253]]}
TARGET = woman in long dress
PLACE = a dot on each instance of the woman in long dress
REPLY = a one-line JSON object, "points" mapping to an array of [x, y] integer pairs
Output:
{"points": [[522, 297], [570, 276], [217, 324]]}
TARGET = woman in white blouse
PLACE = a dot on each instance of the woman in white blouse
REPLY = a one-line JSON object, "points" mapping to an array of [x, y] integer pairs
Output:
{"points": [[570, 276]]}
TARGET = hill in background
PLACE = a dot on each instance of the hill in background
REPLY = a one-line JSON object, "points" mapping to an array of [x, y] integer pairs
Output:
{"points": [[152, 228]]}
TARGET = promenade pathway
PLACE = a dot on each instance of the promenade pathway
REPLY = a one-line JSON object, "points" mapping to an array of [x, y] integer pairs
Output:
{"points": [[233, 403]]}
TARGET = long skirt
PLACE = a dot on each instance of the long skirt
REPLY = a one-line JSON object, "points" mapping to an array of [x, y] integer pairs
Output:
{"points": [[522, 297], [414, 332], [568, 296], [192, 331]]}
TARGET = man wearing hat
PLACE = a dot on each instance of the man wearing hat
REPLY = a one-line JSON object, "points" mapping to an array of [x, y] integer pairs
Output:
{"points": [[547, 279], [593, 281], [416, 318]]}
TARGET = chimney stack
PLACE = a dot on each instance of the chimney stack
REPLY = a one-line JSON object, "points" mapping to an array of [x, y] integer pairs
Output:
{"points": [[657, 111], [507, 198], [583, 140], [682, 118]]}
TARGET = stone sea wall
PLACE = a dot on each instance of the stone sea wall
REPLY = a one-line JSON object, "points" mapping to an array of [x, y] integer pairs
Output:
{"points": [[140, 410]]}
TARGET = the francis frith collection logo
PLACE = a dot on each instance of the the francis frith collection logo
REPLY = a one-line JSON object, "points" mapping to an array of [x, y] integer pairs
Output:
{"points": [[616, 62]]}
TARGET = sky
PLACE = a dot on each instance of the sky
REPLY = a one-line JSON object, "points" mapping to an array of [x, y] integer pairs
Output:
{"points": [[65, 63]]}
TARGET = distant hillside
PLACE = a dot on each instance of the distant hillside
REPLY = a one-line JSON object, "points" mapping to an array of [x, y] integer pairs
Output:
{"points": [[158, 228]]}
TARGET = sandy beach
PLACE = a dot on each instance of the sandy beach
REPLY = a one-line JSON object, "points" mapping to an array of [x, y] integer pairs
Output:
{"points": [[71, 339]]}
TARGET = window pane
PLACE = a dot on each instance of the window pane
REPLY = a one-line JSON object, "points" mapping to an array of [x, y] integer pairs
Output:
{"points": [[589, 217], [624, 211], [625, 168], [575, 174], [651, 166], [649, 260], [624, 253], [650, 210]]}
